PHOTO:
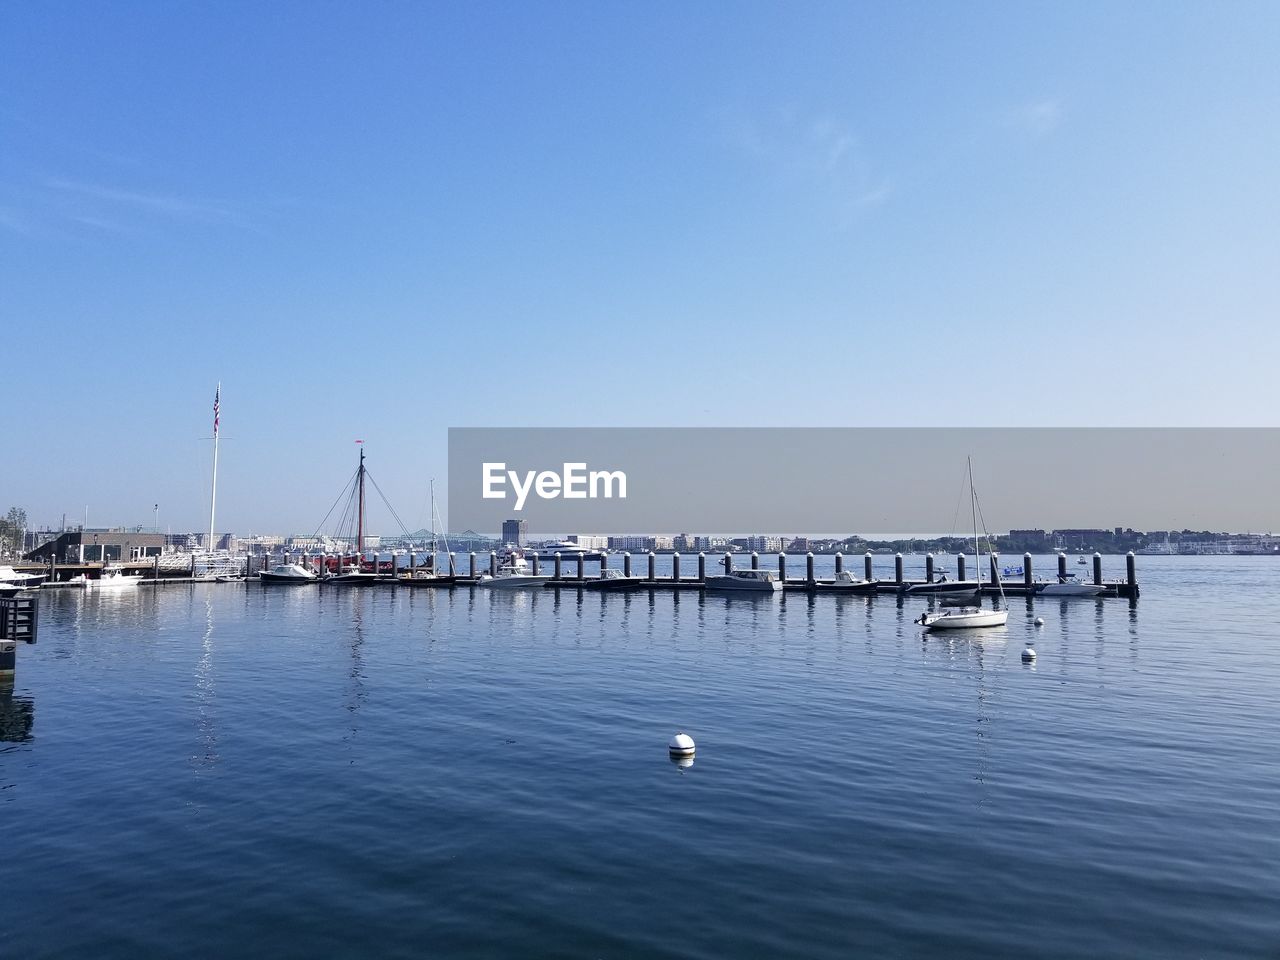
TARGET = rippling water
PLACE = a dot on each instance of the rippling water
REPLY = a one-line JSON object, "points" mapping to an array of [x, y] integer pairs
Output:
{"points": [[220, 770]]}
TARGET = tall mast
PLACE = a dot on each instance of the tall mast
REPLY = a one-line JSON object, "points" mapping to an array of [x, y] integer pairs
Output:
{"points": [[973, 507], [433, 519], [360, 518], [213, 498]]}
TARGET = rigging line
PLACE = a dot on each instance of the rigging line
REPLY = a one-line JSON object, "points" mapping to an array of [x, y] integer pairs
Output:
{"points": [[955, 519], [335, 504], [387, 503]]}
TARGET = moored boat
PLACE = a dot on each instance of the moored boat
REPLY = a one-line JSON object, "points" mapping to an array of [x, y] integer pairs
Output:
{"points": [[288, 574], [746, 581]]}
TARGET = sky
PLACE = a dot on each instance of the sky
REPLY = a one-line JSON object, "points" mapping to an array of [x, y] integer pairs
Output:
{"points": [[377, 221]]}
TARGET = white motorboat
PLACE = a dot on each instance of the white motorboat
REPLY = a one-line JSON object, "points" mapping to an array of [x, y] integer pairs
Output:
{"points": [[114, 578], [942, 587], [1070, 587], [968, 618], [1082, 561], [514, 574], [568, 550], [846, 582], [12, 578], [746, 581], [288, 574]]}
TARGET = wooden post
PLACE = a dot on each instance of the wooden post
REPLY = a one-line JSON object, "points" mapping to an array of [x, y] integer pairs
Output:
{"points": [[839, 562], [604, 562], [155, 568], [782, 567], [995, 567], [493, 563], [808, 571], [1131, 571], [626, 563], [1026, 571], [535, 563], [897, 569], [557, 558], [960, 565], [453, 566], [582, 573], [1097, 569], [653, 569], [866, 565], [702, 567], [675, 566], [728, 562], [928, 567], [1062, 567], [472, 558], [755, 560]]}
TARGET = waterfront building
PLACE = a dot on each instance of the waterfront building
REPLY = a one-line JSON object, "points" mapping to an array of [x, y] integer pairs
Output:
{"points": [[515, 531]]}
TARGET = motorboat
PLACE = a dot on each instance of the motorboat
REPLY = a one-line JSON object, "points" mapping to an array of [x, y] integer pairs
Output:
{"points": [[568, 550], [287, 574], [943, 587], [514, 574], [846, 582], [114, 578], [351, 578], [610, 580], [12, 578], [1082, 561], [1070, 587], [745, 581]]}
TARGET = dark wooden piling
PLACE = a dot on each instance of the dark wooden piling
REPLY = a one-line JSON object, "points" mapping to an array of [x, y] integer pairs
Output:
{"points": [[782, 567], [755, 560], [653, 566], [1097, 569], [626, 563], [702, 567], [1131, 571], [866, 565], [675, 566], [582, 570], [897, 569], [557, 560], [960, 566], [808, 569], [1062, 567], [839, 562], [1026, 571]]}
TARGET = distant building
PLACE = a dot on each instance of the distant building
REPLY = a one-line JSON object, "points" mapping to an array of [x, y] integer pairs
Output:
{"points": [[760, 544], [94, 546], [799, 545], [590, 541], [515, 531]]}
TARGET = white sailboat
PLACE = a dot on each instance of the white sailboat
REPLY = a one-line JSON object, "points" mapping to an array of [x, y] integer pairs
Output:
{"points": [[968, 618]]}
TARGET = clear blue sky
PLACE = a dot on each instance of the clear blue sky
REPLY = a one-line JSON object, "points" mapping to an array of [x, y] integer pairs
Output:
{"points": [[380, 220]]}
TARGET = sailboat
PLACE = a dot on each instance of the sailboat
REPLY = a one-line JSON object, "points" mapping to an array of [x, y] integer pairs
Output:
{"points": [[356, 577], [966, 618], [426, 574]]}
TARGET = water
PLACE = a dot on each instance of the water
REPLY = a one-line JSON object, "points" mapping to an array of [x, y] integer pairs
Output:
{"points": [[220, 770]]}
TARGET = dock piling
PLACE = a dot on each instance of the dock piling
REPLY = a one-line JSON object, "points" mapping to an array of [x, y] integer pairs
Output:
{"points": [[839, 562], [604, 562], [557, 559], [493, 563], [808, 568], [897, 569], [1062, 566], [928, 568], [702, 567], [728, 563], [960, 566], [866, 565], [782, 567], [995, 567], [675, 566], [1026, 571], [1131, 572], [582, 573], [626, 563], [535, 563], [755, 560], [653, 570], [472, 558], [1097, 569]]}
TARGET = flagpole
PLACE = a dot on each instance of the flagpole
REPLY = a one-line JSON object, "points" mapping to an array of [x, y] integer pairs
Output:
{"points": [[213, 499]]}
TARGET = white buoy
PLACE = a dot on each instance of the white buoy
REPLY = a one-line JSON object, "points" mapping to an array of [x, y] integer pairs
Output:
{"points": [[1039, 621], [1028, 654], [681, 745]]}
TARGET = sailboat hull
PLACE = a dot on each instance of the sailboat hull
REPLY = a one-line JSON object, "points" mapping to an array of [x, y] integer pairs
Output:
{"points": [[968, 619]]}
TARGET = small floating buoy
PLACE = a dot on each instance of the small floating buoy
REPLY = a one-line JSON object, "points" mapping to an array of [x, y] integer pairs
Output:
{"points": [[1028, 654], [681, 745], [1039, 621]]}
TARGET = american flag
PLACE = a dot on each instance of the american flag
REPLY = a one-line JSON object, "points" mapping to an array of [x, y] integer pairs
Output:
{"points": [[217, 403]]}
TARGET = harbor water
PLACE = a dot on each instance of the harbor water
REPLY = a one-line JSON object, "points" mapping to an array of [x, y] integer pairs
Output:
{"points": [[216, 770]]}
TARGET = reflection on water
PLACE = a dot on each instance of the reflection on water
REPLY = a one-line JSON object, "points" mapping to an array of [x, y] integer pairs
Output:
{"points": [[485, 769], [17, 717]]}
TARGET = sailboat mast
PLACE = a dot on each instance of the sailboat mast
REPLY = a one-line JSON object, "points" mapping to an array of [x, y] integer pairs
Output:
{"points": [[360, 518], [213, 497], [433, 519], [973, 508]]}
